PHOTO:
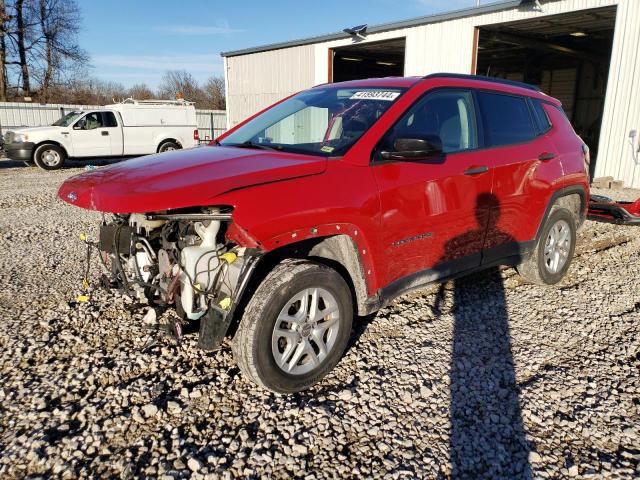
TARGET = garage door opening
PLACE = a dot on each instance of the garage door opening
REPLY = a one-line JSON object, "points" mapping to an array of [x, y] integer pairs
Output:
{"points": [[367, 60], [566, 55]]}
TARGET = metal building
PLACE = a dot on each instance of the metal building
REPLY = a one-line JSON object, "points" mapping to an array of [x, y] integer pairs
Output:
{"points": [[584, 52]]}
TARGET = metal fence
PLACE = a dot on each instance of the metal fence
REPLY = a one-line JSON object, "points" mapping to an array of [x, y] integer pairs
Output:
{"points": [[211, 123]]}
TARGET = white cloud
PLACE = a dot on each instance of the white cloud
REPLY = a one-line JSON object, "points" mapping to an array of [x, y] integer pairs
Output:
{"points": [[191, 63], [220, 28]]}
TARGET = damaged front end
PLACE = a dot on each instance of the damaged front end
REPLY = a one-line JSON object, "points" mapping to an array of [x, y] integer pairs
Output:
{"points": [[182, 259]]}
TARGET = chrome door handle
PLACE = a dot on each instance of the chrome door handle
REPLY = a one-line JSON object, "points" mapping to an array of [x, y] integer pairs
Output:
{"points": [[545, 156], [476, 170]]}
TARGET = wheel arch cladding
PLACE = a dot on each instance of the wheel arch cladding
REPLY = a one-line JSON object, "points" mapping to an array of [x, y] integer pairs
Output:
{"points": [[339, 252], [566, 197], [51, 142]]}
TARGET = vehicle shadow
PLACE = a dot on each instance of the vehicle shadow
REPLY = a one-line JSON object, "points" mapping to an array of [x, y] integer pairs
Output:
{"points": [[487, 437], [487, 432]]}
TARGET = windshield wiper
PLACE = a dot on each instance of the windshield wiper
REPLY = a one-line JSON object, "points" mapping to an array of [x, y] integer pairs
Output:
{"points": [[250, 144]]}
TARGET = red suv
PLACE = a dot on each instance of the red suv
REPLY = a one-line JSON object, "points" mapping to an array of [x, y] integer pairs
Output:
{"points": [[335, 201]]}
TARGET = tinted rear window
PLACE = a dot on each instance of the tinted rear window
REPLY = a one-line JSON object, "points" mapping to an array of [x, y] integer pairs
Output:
{"points": [[109, 119], [541, 116], [505, 118]]}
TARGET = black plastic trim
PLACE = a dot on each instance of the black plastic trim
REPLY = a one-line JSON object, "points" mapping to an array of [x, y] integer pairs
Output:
{"points": [[19, 150], [483, 78]]}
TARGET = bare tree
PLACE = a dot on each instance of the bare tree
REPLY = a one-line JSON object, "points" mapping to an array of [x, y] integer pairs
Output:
{"points": [[214, 89], [4, 19], [181, 84], [59, 22], [21, 35], [140, 92], [38, 44]]}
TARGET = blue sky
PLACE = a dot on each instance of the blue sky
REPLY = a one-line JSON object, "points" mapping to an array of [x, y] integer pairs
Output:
{"points": [[135, 41]]}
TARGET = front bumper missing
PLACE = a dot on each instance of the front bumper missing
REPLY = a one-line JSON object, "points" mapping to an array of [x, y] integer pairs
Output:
{"points": [[604, 209]]}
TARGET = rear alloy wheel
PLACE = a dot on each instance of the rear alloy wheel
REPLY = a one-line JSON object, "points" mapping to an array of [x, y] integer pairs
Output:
{"points": [[168, 147], [295, 327], [553, 252], [49, 157]]}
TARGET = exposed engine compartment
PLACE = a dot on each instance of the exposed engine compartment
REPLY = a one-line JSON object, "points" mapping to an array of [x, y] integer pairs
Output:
{"points": [[178, 257]]}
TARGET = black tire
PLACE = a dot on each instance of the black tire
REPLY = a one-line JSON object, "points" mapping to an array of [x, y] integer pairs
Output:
{"points": [[537, 269], [168, 146], [49, 157], [252, 344]]}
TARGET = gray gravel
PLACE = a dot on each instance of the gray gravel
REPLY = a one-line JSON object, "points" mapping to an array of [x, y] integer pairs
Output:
{"points": [[485, 377]]}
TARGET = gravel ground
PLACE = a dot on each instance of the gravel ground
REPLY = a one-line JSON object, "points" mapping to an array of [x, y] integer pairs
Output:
{"points": [[485, 377]]}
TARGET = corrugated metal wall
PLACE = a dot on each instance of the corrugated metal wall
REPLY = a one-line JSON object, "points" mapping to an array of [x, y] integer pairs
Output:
{"points": [[17, 114], [257, 80], [617, 155]]}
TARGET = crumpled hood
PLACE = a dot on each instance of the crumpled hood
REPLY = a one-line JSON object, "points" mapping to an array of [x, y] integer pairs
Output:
{"points": [[182, 178]]}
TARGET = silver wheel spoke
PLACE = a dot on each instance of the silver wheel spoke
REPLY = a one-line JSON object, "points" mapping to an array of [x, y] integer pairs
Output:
{"points": [[305, 331], [557, 246], [311, 353], [295, 358], [318, 340]]}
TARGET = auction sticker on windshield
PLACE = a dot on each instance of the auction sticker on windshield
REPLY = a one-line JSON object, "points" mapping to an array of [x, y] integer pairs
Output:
{"points": [[375, 95]]}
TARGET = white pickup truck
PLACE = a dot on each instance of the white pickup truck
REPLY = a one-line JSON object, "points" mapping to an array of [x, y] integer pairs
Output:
{"points": [[133, 127]]}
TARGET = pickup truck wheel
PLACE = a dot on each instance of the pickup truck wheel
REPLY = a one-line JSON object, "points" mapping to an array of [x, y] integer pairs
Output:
{"points": [[553, 253], [295, 327], [168, 147], [49, 157]]}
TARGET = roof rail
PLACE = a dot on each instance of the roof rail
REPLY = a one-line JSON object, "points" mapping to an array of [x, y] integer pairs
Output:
{"points": [[178, 101], [484, 78]]}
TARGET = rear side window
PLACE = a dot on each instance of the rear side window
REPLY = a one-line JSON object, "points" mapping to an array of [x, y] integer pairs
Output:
{"points": [[505, 118], [541, 116], [109, 119]]}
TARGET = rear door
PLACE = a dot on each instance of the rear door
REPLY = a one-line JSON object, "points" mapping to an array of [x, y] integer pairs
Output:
{"points": [[89, 137], [434, 211], [112, 126], [526, 171]]}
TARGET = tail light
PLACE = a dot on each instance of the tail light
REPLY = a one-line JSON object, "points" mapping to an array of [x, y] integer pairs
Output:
{"points": [[196, 135], [586, 154]]}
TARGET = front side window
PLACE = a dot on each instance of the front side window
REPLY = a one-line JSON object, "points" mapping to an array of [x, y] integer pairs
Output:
{"points": [[320, 121], [505, 119], [67, 119], [447, 115], [90, 121]]}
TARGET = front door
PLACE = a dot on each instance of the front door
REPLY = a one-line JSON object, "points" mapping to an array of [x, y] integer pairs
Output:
{"points": [[435, 210], [89, 137]]}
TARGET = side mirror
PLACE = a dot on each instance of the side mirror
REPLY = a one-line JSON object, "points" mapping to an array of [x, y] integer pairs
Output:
{"points": [[414, 148]]}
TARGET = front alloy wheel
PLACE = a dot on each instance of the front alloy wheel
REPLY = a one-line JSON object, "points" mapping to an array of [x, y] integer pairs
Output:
{"points": [[306, 331], [295, 327]]}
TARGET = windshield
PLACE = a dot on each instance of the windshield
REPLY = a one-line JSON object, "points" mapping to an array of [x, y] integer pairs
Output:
{"points": [[320, 121], [67, 120]]}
